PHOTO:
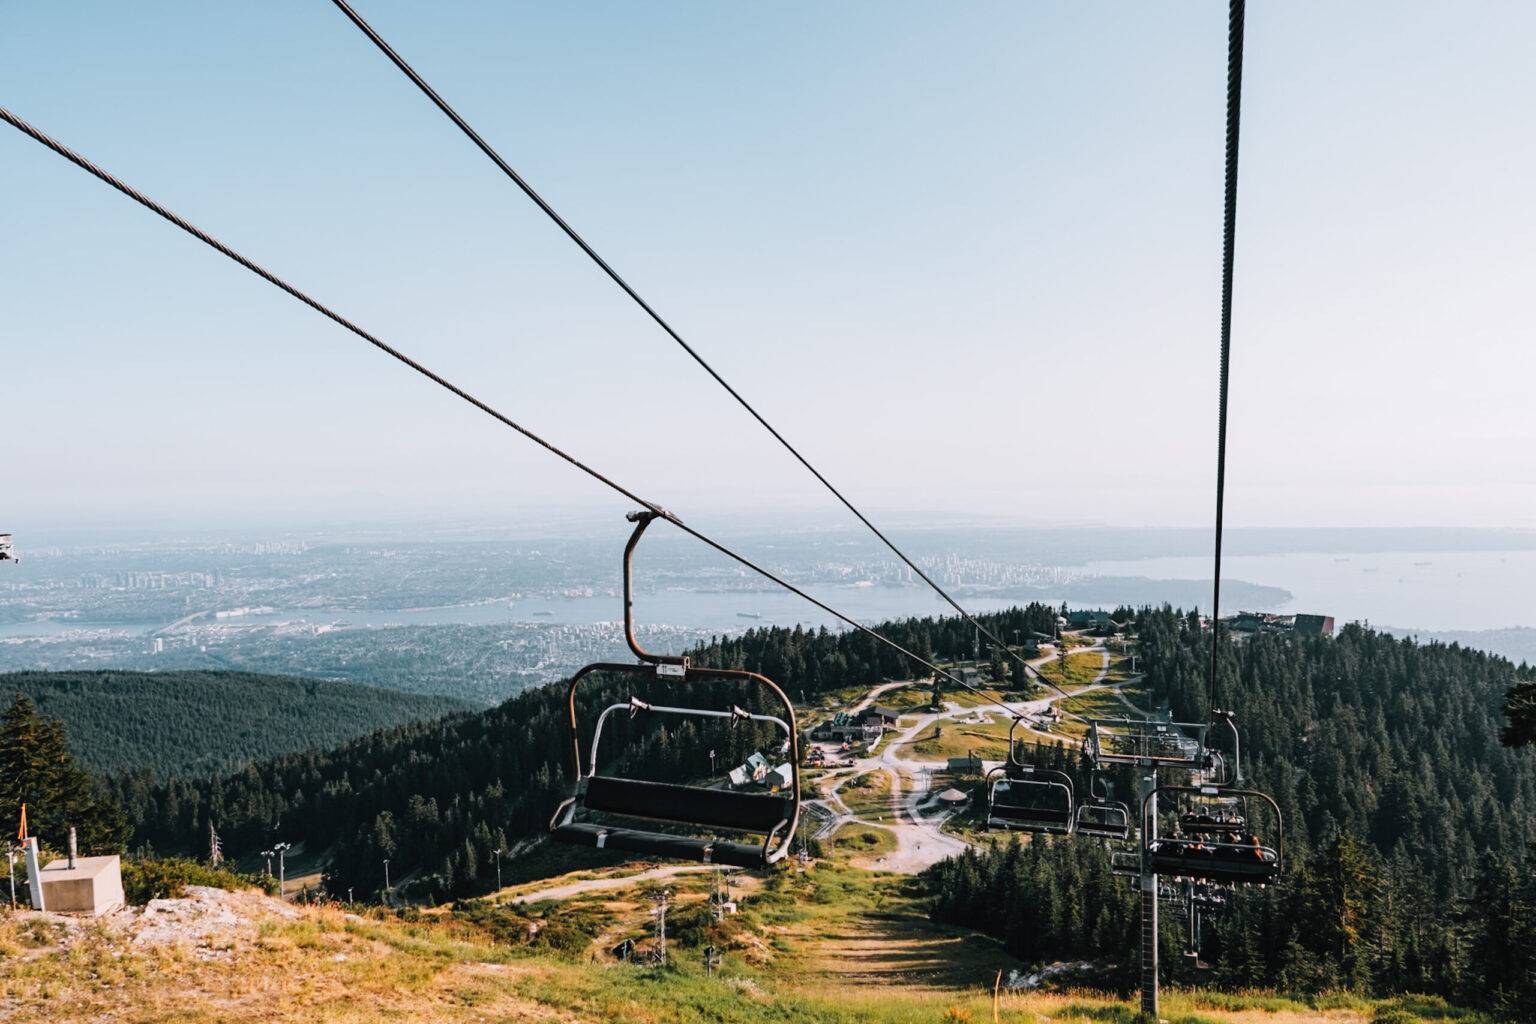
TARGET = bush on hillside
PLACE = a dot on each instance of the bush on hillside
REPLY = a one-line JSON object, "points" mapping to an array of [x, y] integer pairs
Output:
{"points": [[145, 880]]}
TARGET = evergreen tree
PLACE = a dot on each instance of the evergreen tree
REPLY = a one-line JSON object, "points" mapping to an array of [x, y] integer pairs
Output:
{"points": [[37, 769], [1520, 707]]}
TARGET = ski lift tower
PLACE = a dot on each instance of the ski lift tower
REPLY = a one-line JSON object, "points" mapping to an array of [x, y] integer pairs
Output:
{"points": [[1148, 746]]}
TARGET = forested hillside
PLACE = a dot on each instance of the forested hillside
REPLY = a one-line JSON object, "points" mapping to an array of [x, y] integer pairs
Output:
{"points": [[1409, 826], [442, 797], [1409, 823], [185, 723]]}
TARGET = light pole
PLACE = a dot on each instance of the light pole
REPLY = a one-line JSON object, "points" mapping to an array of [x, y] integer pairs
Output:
{"points": [[281, 849], [10, 871], [386, 880], [269, 854], [498, 868]]}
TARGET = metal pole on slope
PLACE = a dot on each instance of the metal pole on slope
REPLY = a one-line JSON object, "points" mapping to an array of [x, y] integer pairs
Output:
{"points": [[1147, 882]]}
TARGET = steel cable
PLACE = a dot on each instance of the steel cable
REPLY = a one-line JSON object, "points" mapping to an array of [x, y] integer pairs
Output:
{"points": [[571, 233], [1236, 12], [271, 278]]}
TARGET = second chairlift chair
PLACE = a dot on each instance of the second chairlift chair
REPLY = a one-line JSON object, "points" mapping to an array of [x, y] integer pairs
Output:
{"points": [[1102, 818], [1027, 798], [700, 812]]}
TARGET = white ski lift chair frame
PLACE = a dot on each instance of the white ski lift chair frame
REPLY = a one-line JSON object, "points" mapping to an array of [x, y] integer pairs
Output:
{"points": [[1138, 741], [699, 808]]}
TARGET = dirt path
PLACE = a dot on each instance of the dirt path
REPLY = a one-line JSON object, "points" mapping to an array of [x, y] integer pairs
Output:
{"points": [[565, 892], [920, 841]]}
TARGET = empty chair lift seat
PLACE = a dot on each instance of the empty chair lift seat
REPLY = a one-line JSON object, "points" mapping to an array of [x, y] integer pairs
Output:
{"points": [[762, 813], [1019, 807], [1104, 821]]}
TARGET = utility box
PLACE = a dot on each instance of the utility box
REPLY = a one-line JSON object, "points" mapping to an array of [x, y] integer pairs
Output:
{"points": [[94, 885]]}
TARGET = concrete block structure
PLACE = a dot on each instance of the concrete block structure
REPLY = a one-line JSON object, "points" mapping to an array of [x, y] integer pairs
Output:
{"points": [[93, 886]]}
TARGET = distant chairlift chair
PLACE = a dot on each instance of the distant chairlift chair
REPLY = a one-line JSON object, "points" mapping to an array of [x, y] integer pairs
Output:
{"points": [[702, 811], [1102, 818], [1029, 799]]}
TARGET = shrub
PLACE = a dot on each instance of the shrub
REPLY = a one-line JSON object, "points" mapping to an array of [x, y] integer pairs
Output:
{"points": [[1393, 1015], [168, 878]]}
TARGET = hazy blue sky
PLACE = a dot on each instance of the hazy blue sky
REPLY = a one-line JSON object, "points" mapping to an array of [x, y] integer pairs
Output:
{"points": [[966, 255]]}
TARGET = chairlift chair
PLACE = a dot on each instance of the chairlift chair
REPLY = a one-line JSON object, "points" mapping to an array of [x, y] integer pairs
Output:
{"points": [[1030, 799], [1207, 897], [1125, 863], [1141, 742], [1241, 860], [701, 811], [1102, 818]]}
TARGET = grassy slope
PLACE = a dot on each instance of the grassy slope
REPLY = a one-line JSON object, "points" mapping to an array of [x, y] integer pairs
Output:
{"points": [[835, 946], [182, 723]]}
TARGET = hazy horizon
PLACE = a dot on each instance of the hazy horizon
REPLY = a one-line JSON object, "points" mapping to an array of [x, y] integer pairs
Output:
{"points": [[966, 258]]}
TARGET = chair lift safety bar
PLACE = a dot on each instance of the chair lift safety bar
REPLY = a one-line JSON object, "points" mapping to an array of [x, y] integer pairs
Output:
{"points": [[700, 809]]}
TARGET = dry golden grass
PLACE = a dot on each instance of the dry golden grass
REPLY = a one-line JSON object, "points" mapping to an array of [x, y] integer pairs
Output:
{"points": [[831, 946]]}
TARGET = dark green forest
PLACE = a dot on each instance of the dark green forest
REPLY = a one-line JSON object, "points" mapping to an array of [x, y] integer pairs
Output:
{"points": [[38, 771], [441, 797], [199, 723], [1409, 833], [1409, 826]]}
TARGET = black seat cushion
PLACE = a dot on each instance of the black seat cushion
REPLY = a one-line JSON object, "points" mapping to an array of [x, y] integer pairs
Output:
{"points": [[693, 805], [658, 844], [579, 832], [741, 855], [1218, 864], [1036, 815]]}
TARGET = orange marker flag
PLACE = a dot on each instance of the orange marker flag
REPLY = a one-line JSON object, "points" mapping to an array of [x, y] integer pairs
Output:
{"points": [[21, 833]]}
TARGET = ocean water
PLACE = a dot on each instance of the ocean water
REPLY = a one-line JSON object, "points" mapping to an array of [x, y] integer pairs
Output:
{"points": [[1425, 590], [1450, 590]]}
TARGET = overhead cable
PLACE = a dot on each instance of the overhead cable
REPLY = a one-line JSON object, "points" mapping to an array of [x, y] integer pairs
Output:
{"points": [[271, 278], [1235, 18], [571, 233]]}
